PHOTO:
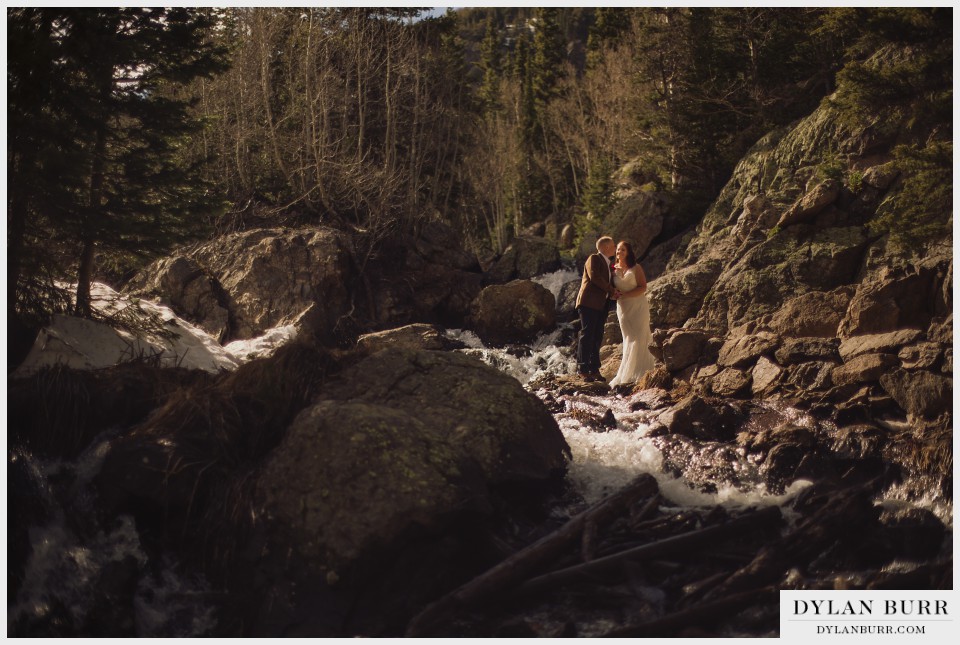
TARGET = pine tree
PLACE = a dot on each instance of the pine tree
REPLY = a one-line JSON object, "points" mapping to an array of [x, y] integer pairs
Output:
{"points": [[116, 118], [491, 64]]}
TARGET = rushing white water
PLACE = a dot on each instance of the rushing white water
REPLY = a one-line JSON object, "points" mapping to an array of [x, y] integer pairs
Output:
{"points": [[554, 281], [606, 461], [545, 357], [71, 557]]}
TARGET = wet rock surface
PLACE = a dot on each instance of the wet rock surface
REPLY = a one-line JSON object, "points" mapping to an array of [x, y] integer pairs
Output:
{"points": [[514, 312]]}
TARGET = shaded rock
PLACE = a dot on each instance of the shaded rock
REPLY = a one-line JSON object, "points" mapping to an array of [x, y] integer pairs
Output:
{"points": [[765, 376], [608, 420], [941, 331], [426, 276], [799, 350], [914, 533], [416, 336], [814, 375], [810, 204], [817, 313], [731, 382], [566, 237], [537, 229], [638, 219], [358, 494], [655, 262], [682, 348], [696, 418], [430, 384], [181, 283], [526, 257], [780, 464], [610, 357], [947, 367], [863, 369], [742, 351], [889, 343], [567, 300], [858, 441], [920, 393], [889, 303], [921, 356], [612, 334], [514, 312], [272, 275], [677, 296]]}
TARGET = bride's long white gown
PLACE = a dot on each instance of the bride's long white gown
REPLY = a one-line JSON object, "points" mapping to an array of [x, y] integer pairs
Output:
{"points": [[634, 315]]}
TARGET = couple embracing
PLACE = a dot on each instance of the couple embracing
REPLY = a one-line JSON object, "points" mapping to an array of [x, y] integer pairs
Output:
{"points": [[612, 274]]}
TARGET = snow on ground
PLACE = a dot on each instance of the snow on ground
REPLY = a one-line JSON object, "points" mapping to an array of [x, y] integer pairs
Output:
{"points": [[87, 344], [262, 346]]}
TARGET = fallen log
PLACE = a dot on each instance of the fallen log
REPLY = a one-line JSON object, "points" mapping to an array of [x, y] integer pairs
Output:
{"points": [[521, 564], [768, 516], [842, 511]]}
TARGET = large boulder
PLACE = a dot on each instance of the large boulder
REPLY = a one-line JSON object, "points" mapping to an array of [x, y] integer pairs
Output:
{"points": [[677, 296], [745, 350], [816, 313], [888, 343], [513, 313], [273, 275], [795, 261], [415, 336], [811, 204], [425, 276], [682, 348], [260, 279], [398, 443], [526, 257], [864, 368], [799, 350], [638, 219], [180, 283], [920, 393], [887, 303]]}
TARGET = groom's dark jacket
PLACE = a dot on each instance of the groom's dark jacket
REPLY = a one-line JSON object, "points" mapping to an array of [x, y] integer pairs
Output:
{"points": [[595, 286]]}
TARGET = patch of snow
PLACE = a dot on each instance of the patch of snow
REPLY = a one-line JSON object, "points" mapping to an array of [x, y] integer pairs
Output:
{"points": [[86, 344], [262, 346]]}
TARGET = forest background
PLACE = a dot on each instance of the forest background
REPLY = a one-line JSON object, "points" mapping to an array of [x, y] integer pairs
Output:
{"points": [[132, 130]]}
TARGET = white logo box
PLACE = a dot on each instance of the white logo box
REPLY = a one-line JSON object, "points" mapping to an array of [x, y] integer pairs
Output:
{"points": [[885, 616]]}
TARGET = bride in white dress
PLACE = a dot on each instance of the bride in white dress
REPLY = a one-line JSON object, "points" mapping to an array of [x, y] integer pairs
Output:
{"points": [[633, 310]]}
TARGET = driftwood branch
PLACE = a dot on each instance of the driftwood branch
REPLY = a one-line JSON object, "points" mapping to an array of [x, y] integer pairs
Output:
{"points": [[707, 536], [522, 564]]}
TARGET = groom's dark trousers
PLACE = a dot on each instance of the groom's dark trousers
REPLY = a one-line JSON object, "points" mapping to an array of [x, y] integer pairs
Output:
{"points": [[592, 322]]}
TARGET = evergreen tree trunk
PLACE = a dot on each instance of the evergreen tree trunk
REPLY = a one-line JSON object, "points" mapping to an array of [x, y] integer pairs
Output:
{"points": [[87, 253], [16, 235]]}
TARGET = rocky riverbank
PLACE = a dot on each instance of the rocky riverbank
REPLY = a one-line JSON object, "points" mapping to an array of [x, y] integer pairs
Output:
{"points": [[369, 477]]}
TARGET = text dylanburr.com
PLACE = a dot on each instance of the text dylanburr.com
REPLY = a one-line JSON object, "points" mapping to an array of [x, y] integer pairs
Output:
{"points": [[882, 615]]}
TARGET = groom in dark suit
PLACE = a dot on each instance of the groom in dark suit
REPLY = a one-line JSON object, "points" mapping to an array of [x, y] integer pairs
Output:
{"points": [[596, 292]]}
